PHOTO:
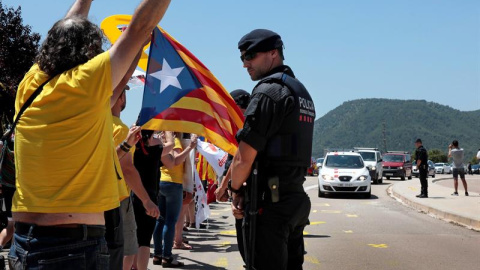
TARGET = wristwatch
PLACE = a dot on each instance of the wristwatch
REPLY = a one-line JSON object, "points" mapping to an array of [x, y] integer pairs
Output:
{"points": [[236, 191]]}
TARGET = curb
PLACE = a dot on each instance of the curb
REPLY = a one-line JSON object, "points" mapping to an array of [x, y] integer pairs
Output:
{"points": [[469, 223]]}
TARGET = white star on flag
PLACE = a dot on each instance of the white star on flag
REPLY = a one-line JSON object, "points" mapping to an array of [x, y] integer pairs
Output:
{"points": [[168, 76]]}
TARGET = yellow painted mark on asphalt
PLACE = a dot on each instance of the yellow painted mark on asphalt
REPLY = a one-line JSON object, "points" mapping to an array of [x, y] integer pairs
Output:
{"points": [[413, 188], [305, 233], [317, 222], [349, 231], [215, 214], [221, 262], [331, 211], [378, 245], [225, 244], [311, 259], [314, 211], [322, 204], [352, 216], [231, 232]]}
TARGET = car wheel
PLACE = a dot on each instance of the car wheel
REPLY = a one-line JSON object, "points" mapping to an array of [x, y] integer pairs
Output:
{"points": [[403, 178], [388, 177], [410, 177], [320, 193], [433, 176], [380, 180]]}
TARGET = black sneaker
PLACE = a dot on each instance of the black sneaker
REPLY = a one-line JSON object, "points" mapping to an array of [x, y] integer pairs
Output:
{"points": [[466, 193], [423, 196], [455, 194]]}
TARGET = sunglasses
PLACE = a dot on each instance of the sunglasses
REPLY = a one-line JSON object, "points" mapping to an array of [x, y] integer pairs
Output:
{"points": [[247, 56]]}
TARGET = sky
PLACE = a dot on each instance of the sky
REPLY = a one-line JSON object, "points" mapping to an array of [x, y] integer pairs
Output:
{"points": [[340, 50]]}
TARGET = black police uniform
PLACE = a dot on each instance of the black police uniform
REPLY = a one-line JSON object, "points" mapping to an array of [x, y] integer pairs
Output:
{"points": [[422, 155], [279, 125]]}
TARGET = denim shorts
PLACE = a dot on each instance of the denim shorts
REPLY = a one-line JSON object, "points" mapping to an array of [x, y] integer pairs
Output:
{"points": [[29, 251]]}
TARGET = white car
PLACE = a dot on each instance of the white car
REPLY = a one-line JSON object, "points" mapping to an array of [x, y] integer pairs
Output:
{"points": [[373, 159], [443, 168], [344, 172]]}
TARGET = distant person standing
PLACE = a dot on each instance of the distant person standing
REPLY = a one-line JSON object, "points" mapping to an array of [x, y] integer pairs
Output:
{"points": [[478, 155], [422, 165], [458, 167]]}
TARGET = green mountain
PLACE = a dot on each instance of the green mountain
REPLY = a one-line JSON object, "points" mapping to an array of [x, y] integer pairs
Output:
{"points": [[363, 123]]}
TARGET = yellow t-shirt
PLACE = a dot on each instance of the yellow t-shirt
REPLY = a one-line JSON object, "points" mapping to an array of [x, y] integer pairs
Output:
{"points": [[64, 154], [174, 175], [120, 132]]}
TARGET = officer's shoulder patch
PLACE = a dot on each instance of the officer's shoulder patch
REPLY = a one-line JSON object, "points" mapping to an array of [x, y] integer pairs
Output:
{"points": [[274, 89]]}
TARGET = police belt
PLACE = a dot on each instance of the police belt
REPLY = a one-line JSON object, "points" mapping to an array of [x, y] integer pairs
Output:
{"points": [[274, 192]]}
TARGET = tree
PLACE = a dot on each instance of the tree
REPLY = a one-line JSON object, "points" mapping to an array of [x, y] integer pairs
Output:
{"points": [[18, 47], [474, 160], [437, 155]]}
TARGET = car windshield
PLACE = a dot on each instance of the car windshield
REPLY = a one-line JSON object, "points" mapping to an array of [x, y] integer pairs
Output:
{"points": [[393, 158], [475, 166], [344, 161], [320, 160], [438, 164], [368, 156]]}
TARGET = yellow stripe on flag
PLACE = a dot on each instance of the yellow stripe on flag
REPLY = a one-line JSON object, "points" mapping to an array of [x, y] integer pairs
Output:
{"points": [[196, 128]]}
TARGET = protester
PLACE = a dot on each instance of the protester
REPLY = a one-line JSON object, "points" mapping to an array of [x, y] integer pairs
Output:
{"points": [[242, 99], [6, 194], [67, 170], [147, 160], [132, 180], [280, 115], [458, 167], [170, 202], [188, 188]]}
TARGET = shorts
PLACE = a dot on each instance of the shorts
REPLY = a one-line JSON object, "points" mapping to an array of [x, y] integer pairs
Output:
{"points": [[459, 171], [130, 245], [145, 223]]}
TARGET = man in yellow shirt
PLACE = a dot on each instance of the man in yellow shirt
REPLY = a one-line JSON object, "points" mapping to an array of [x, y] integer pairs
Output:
{"points": [[133, 181], [66, 166]]}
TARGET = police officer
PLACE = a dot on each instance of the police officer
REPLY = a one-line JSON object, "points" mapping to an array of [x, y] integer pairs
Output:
{"points": [[422, 165], [277, 136]]}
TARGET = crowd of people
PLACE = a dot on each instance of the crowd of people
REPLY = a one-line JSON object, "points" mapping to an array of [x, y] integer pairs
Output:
{"points": [[92, 193]]}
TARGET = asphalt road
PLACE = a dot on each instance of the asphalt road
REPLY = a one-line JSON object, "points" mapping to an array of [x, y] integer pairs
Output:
{"points": [[350, 233]]}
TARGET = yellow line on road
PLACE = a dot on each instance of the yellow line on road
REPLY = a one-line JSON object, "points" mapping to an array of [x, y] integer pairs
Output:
{"points": [[349, 231], [378, 245], [317, 222], [231, 232], [331, 211], [352, 216], [221, 262], [314, 211], [311, 259]]}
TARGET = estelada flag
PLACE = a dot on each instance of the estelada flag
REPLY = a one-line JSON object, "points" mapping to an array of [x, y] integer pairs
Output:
{"points": [[182, 95]]}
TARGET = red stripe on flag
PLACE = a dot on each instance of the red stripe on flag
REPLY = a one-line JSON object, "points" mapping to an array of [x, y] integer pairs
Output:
{"points": [[195, 117], [219, 108]]}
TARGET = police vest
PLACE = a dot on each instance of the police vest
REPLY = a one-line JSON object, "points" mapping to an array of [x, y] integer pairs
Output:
{"points": [[292, 144]]}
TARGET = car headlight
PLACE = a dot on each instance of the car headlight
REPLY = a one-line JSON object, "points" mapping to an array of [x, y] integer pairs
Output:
{"points": [[327, 177], [362, 178], [373, 168], [401, 168]]}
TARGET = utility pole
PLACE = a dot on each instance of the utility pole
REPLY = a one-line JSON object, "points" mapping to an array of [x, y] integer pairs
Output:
{"points": [[384, 136]]}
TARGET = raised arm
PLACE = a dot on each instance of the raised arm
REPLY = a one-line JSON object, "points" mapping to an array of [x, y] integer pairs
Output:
{"points": [[144, 20], [80, 8], [118, 90]]}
